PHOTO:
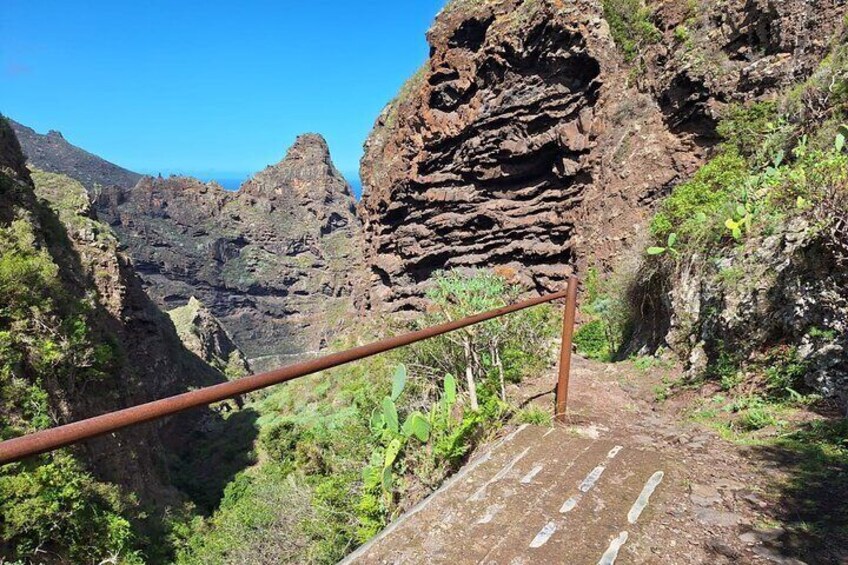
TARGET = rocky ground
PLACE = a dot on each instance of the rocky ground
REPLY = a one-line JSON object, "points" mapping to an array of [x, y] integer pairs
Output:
{"points": [[725, 502], [717, 502]]}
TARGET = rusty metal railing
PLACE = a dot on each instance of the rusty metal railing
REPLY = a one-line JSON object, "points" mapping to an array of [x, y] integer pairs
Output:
{"points": [[47, 440]]}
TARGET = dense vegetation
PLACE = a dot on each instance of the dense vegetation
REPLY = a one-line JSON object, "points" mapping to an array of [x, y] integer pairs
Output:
{"points": [[782, 168], [779, 177], [781, 163], [340, 454], [630, 26], [343, 452], [50, 506]]}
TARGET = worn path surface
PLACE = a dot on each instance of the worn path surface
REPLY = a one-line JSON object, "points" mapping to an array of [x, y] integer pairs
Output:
{"points": [[623, 482], [538, 496]]}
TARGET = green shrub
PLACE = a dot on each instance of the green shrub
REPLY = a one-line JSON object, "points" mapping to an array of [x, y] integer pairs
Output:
{"points": [[755, 413], [630, 25], [535, 416], [755, 131], [591, 341], [607, 315], [279, 440], [490, 354], [757, 418], [28, 275], [784, 373], [55, 506], [694, 204], [51, 504]]}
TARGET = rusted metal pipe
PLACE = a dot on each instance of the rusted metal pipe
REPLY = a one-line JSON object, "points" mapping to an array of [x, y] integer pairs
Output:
{"points": [[47, 440], [565, 350]]}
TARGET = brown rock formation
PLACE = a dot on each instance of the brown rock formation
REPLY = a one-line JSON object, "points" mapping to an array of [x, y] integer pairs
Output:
{"points": [[528, 142], [203, 335], [275, 262]]}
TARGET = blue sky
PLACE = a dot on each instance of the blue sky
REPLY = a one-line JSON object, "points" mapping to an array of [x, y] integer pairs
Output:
{"points": [[207, 87]]}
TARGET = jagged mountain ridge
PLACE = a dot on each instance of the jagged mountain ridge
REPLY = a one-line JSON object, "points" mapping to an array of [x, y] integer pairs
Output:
{"points": [[276, 262], [51, 152], [273, 260], [528, 142]]}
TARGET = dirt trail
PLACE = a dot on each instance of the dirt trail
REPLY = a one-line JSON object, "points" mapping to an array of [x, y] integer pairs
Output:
{"points": [[626, 481]]}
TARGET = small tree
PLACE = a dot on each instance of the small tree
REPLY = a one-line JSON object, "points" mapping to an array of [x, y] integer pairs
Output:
{"points": [[503, 348]]}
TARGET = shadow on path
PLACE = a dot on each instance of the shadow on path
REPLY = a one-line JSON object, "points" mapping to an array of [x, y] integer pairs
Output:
{"points": [[812, 503]]}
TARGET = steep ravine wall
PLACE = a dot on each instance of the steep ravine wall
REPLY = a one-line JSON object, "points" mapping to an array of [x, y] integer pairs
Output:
{"points": [[148, 361], [528, 142]]}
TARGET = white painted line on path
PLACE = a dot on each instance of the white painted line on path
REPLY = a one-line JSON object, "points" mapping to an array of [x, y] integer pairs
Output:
{"points": [[491, 511], [528, 478], [615, 546], [644, 497], [544, 535], [588, 482], [592, 478], [570, 504], [614, 451], [481, 492]]}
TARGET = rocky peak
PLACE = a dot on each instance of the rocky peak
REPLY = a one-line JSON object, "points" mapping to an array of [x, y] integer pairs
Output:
{"points": [[268, 261], [306, 178], [311, 148]]}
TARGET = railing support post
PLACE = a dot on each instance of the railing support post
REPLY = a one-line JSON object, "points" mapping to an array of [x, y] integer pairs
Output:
{"points": [[565, 352]]}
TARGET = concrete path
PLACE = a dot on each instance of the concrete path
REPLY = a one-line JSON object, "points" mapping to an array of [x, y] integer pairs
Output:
{"points": [[630, 480], [540, 495]]}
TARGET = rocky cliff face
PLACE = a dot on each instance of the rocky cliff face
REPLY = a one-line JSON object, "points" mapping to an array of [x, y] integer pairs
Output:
{"points": [[203, 335], [53, 154], [790, 291], [153, 362], [275, 262], [527, 141]]}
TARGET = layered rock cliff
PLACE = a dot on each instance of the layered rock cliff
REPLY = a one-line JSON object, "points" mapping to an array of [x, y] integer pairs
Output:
{"points": [[531, 141], [276, 262]]}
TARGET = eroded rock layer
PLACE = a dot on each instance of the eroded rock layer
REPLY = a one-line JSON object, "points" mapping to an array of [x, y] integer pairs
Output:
{"points": [[275, 262], [527, 142]]}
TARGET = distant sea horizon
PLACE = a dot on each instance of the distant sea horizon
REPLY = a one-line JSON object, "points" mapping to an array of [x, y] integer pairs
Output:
{"points": [[232, 181]]}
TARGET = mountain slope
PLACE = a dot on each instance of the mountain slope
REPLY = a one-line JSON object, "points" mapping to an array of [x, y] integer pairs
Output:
{"points": [[79, 337], [52, 153]]}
